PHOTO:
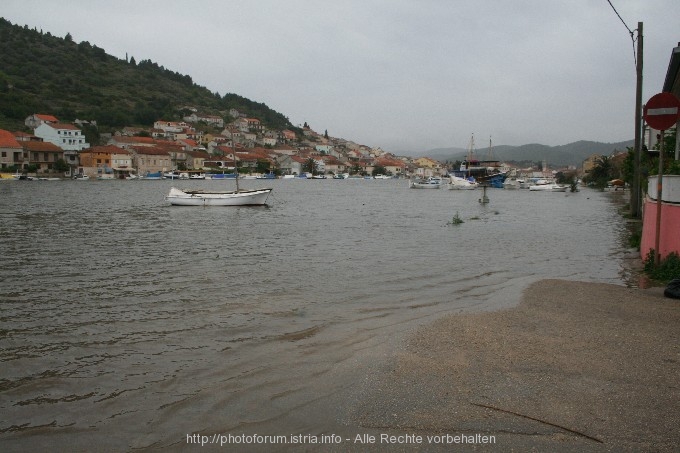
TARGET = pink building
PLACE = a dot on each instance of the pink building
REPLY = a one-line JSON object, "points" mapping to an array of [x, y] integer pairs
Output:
{"points": [[669, 231]]}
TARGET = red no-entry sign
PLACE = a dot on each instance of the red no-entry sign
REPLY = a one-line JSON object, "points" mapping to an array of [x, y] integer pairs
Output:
{"points": [[662, 111]]}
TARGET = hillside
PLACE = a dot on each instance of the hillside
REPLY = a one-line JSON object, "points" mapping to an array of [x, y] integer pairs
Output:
{"points": [[563, 155], [41, 73]]}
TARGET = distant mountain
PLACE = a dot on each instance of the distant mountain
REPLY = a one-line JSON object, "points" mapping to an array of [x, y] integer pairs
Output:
{"points": [[562, 155]]}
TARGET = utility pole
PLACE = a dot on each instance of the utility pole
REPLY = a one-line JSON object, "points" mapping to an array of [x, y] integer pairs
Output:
{"points": [[635, 194]]}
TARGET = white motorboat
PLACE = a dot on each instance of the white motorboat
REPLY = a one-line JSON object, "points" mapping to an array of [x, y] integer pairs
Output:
{"points": [[430, 183], [548, 187], [512, 183], [256, 197], [458, 183]]}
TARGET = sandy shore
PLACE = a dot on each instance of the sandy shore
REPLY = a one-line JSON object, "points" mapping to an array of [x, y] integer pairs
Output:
{"points": [[574, 367]]}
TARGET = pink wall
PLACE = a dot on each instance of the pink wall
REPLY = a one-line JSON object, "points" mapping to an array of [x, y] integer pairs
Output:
{"points": [[670, 228]]}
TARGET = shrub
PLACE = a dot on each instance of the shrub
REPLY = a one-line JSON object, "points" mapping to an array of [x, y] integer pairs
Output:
{"points": [[668, 268]]}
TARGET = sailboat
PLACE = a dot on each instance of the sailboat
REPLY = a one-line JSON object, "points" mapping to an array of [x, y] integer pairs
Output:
{"points": [[486, 172], [255, 197]]}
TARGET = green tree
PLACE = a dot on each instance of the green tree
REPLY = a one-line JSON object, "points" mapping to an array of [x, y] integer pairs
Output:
{"points": [[61, 165], [379, 170], [309, 166], [601, 172], [262, 166]]}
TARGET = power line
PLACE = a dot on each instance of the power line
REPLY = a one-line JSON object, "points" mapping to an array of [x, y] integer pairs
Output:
{"points": [[631, 32], [617, 13]]}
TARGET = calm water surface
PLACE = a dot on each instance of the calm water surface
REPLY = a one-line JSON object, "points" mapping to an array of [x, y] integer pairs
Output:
{"points": [[127, 323]]}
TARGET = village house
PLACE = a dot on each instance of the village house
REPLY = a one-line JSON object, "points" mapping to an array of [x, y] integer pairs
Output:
{"points": [[589, 163], [66, 136], [426, 167], [122, 163], [11, 152], [150, 159], [44, 155], [254, 125], [37, 119], [213, 120], [287, 136], [130, 131], [196, 160], [105, 162], [291, 165], [269, 141], [285, 149], [393, 167], [332, 164], [171, 126], [325, 149], [125, 142], [24, 137]]}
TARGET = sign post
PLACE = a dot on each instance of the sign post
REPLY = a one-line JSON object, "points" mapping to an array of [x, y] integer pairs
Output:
{"points": [[661, 112]]}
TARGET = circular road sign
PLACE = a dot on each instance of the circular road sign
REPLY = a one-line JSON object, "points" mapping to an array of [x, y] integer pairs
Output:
{"points": [[662, 111]]}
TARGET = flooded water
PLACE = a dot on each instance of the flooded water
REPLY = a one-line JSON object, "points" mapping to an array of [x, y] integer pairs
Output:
{"points": [[130, 324]]}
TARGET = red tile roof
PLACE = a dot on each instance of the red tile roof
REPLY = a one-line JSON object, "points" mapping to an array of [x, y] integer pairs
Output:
{"points": [[107, 149], [7, 140], [63, 126], [150, 150], [50, 118], [40, 146]]}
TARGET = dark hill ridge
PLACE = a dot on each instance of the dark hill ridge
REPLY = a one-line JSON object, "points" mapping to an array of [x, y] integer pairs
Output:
{"points": [[41, 73], [562, 155]]}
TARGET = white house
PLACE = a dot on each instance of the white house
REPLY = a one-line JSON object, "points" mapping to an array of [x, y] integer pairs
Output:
{"points": [[37, 119], [326, 149], [66, 136], [210, 119]]}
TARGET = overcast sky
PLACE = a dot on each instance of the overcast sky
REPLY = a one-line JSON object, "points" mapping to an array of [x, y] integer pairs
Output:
{"points": [[406, 75]]}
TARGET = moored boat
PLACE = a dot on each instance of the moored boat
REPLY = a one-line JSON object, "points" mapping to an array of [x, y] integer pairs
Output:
{"points": [[432, 182], [256, 197], [458, 183], [488, 172], [547, 186], [153, 176]]}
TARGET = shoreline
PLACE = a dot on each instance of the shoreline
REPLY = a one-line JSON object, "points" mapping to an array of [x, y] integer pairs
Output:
{"points": [[576, 366]]}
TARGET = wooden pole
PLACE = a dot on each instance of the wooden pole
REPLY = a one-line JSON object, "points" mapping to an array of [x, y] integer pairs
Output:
{"points": [[636, 193]]}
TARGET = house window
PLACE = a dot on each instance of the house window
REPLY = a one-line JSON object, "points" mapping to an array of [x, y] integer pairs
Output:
{"points": [[4, 154]]}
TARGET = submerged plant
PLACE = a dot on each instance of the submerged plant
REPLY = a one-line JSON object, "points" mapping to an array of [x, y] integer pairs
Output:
{"points": [[456, 219]]}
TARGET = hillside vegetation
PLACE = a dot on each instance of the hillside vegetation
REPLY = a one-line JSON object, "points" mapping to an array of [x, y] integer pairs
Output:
{"points": [[41, 73]]}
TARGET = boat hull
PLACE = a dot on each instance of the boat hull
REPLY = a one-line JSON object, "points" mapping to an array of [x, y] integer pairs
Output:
{"points": [[424, 185], [458, 183], [548, 188], [257, 197]]}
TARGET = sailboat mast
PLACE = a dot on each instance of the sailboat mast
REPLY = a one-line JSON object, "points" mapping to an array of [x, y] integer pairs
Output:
{"points": [[490, 158], [233, 153]]}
